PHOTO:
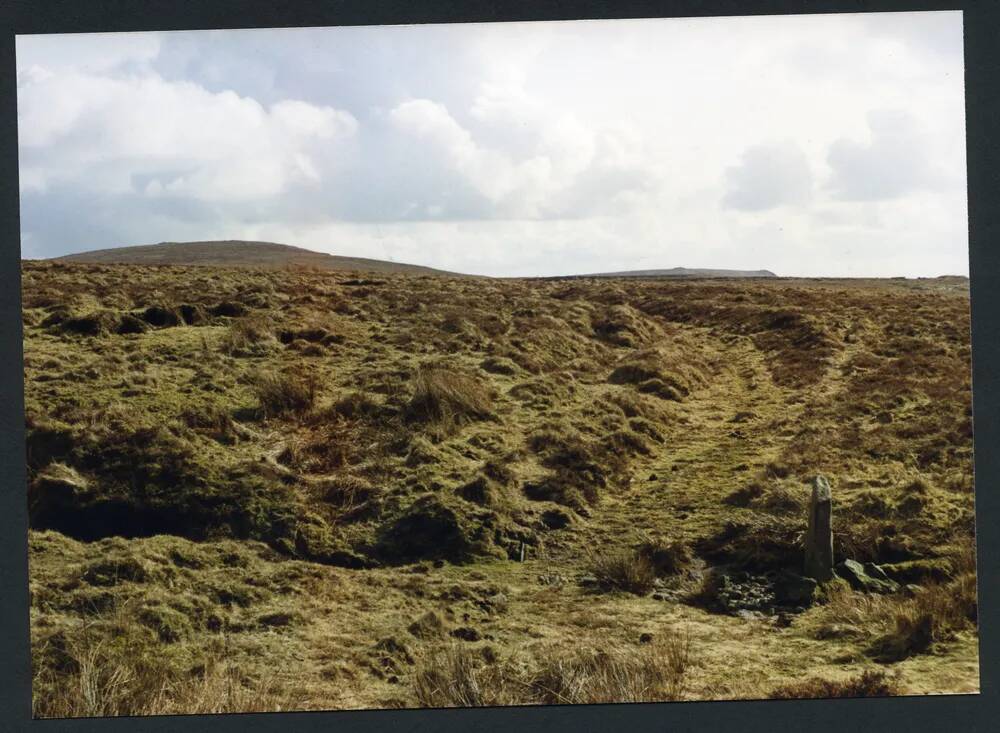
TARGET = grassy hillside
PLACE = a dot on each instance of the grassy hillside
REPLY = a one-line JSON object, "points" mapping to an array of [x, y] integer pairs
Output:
{"points": [[302, 489], [236, 253]]}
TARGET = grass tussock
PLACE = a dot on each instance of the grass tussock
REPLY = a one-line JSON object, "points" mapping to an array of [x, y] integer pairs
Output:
{"points": [[628, 572], [870, 683], [110, 683], [247, 336], [896, 626], [445, 397], [667, 558], [935, 614], [121, 671], [457, 676], [284, 393], [657, 672]]}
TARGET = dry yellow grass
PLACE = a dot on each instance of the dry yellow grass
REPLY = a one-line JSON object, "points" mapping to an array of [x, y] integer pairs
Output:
{"points": [[284, 480]]}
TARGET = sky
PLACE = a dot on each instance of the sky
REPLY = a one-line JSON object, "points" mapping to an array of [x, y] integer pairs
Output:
{"points": [[823, 145]]}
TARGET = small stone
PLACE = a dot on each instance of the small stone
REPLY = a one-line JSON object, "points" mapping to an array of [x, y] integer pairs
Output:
{"points": [[645, 638]]}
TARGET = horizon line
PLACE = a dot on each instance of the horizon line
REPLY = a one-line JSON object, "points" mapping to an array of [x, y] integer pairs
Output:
{"points": [[606, 275]]}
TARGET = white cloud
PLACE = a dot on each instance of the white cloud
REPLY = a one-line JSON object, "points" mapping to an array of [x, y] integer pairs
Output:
{"points": [[526, 148], [90, 53], [304, 119], [550, 174], [769, 175], [895, 161], [213, 146]]}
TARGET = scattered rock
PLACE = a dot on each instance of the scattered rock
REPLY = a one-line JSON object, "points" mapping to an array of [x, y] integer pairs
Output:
{"points": [[855, 574], [876, 572], [791, 589], [742, 591]]}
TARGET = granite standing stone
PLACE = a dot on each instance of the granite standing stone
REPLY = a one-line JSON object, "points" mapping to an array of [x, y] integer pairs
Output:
{"points": [[819, 537]]}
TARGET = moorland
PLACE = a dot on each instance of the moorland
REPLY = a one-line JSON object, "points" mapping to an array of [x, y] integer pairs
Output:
{"points": [[298, 488]]}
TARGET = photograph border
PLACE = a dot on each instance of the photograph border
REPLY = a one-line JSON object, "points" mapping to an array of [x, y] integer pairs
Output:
{"points": [[952, 712]]}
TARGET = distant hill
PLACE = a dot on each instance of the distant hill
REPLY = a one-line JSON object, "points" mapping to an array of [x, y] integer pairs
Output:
{"points": [[235, 253], [683, 272], [238, 253]]}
